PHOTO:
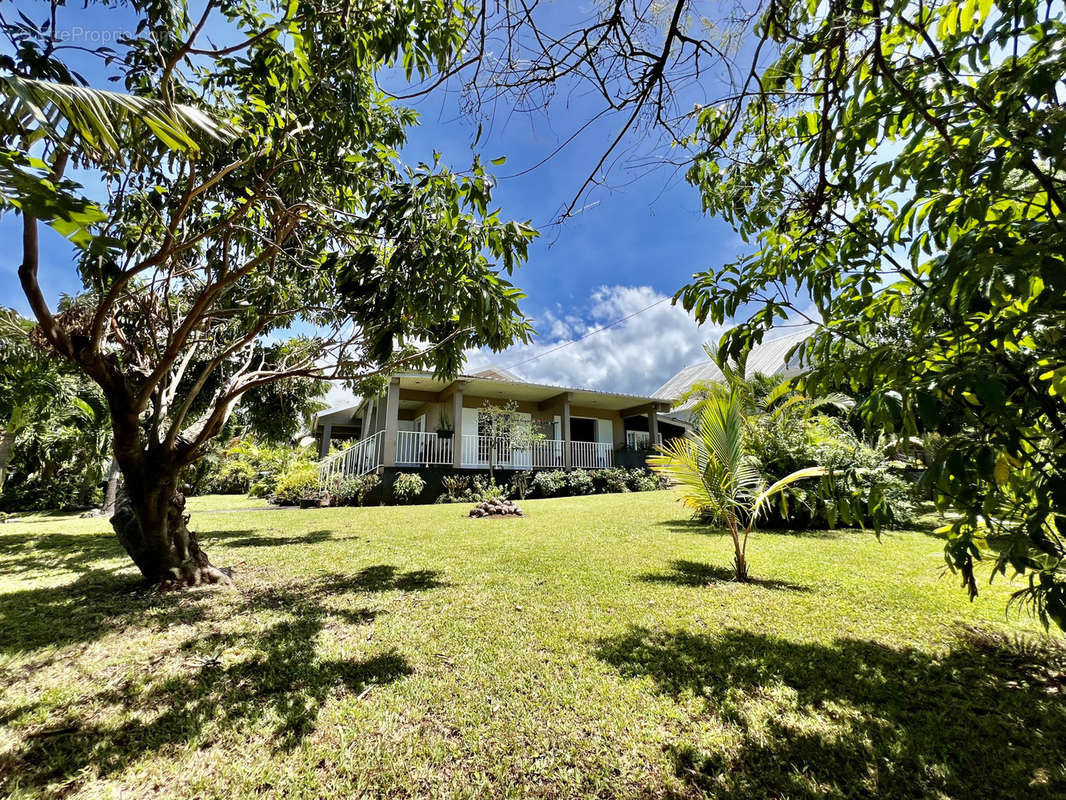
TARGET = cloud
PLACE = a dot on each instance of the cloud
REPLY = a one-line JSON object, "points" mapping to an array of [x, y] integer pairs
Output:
{"points": [[635, 356]]}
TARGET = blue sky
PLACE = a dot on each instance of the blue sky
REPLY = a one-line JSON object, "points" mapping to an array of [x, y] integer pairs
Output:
{"points": [[636, 241]]}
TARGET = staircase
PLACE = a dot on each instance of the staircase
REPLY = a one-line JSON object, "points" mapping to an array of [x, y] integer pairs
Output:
{"points": [[362, 457]]}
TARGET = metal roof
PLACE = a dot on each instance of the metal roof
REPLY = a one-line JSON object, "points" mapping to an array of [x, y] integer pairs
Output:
{"points": [[490, 383], [767, 358]]}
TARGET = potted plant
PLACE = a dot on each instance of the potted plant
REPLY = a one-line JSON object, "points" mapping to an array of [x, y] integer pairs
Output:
{"points": [[444, 427]]}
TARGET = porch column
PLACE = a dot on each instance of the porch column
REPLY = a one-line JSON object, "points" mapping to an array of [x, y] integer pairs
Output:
{"points": [[323, 446], [568, 458], [457, 427], [392, 419], [653, 425], [618, 430]]}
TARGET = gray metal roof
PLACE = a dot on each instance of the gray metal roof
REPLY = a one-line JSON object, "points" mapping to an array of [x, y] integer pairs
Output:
{"points": [[767, 358]]}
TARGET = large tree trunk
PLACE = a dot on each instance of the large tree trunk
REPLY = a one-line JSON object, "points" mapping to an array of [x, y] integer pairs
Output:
{"points": [[7, 445], [151, 523]]}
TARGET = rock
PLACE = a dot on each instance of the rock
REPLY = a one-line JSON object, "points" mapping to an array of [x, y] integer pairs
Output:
{"points": [[495, 508]]}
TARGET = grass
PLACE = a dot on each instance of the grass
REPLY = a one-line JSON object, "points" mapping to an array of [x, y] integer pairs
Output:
{"points": [[592, 648]]}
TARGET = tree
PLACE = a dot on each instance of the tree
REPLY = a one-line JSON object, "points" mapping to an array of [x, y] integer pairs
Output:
{"points": [[901, 168], [717, 478], [259, 225], [279, 411], [503, 426]]}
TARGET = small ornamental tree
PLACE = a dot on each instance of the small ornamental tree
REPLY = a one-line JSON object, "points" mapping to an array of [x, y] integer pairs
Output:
{"points": [[258, 224], [506, 429]]}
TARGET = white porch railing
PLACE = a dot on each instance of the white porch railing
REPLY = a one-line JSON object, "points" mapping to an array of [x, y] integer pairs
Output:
{"points": [[638, 440], [362, 457], [418, 448], [591, 455], [545, 454]]}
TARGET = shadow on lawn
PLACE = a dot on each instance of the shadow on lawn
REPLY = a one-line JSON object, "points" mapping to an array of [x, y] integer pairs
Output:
{"points": [[260, 678], [29, 552], [694, 526], [248, 538], [698, 575], [858, 719]]}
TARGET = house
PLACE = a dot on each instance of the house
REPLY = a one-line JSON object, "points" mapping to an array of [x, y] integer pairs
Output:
{"points": [[421, 422], [770, 357]]}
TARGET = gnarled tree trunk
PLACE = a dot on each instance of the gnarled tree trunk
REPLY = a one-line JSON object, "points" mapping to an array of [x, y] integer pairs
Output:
{"points": [[151, 523]]}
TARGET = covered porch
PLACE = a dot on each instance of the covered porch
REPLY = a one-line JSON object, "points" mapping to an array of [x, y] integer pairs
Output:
{"points": [[422, 421]]}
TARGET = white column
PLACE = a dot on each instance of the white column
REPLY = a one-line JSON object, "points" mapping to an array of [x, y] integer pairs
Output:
{"points": [[568, 459], [457, 428], [392, 418]]}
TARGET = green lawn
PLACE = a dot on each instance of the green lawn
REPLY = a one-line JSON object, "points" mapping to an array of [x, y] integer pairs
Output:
{"points": [[592, 648]]}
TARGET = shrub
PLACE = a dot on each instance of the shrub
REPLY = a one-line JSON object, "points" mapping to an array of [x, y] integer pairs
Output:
{"points": [[234, 476], [611, 480], [521, 482], [640, 480], [485, 489], [456, 489], [368, 484], [579, 482], [298, 481], [862, 487], [407, 486], [549, 483], [345, 491]]}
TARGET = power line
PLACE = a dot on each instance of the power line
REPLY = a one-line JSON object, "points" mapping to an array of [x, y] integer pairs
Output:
{"points": [[587, 335]]}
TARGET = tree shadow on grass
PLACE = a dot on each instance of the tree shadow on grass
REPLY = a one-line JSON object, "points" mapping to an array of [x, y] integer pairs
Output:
{"points": [[271, 680], [98, 603], [694, 526], [75, 552], [699, 575], [858, 719], [247, 538]]}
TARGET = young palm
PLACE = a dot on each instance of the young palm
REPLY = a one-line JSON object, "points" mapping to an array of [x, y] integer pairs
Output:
{"points": [[717, 479]]}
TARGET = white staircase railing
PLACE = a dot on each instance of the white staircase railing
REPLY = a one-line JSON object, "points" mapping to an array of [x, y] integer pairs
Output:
{"points": [[362, 457]]}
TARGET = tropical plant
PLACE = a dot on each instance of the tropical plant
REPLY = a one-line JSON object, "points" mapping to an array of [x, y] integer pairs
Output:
{"points": [[297, 482], [55, 437], [407, 486], [717, 478], [249, 191], [368, 484], [900, 167], [456, 489]]}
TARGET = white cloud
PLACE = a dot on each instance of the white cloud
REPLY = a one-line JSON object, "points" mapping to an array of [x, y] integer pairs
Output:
{"points": [[635, 356]]}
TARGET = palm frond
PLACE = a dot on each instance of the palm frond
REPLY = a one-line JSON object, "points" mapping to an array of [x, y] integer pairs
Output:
{"points": [[778, 486], [107, 124]]}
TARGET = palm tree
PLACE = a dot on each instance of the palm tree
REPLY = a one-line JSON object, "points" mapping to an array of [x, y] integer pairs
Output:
{"points": [[718, 480]]}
